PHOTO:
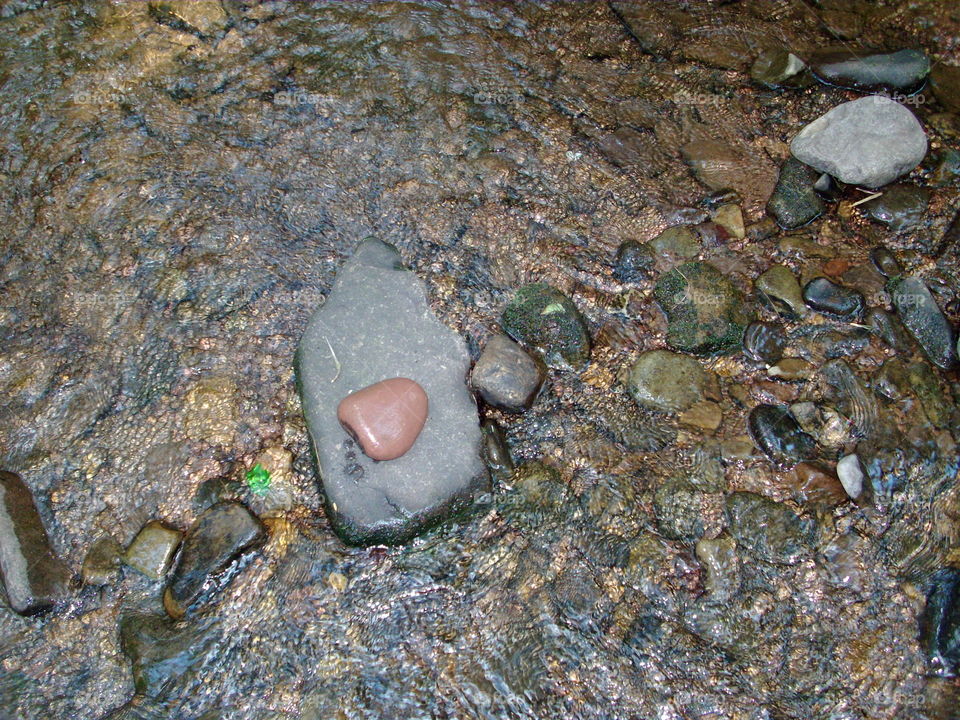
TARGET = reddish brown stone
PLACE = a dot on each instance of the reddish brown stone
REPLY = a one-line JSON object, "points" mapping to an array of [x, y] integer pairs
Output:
{"points": [[385, 418], [815, 484]]}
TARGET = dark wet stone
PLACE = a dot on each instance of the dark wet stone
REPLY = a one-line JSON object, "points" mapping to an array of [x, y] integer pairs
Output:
{"points": [[385, 418], [846, 342], [904, 71], [778, 288], [101, 564], [891, 381], [888, 328], [764, 342], [34, 577], [715, 200], [775, 66], [945, 83], [666, 381], [940, 623], [627, 148], [947, 168], [936, 403], [885, 262], [900, 208], [204, 19], [376, 324], [826, 296], [152, 549], [538, 494], [634, 262], [496, 451], [925, 320], [763, 229], [706, 312], [841, 387], [217, 537], [778, 434], [871, 142], [214, 490], [544, 318], [679, 511], [770, 530], [162, 651], [827, 188], [506, 376], [950, 242], [679, 241], [794, 201]]}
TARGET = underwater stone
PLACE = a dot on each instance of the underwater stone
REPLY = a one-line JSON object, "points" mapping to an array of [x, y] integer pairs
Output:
{"points": [[544, 318], [764, 342], [794, 201], [826, 296], [219, 534], [768, 529], [152, 549], [385, 418], [904, 71], [35, 578], [778, 434], [940, 623], [376, 323], [666, 381], [850, 475], [925, 320], [779, 288], [506, 376]]}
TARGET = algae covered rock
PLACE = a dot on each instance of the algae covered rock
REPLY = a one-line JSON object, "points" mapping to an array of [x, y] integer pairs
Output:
{"points": [[542, 317], [706, 312]]}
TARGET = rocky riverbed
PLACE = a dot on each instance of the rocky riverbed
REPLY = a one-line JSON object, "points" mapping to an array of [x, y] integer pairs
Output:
{"points": [[721, 444]]}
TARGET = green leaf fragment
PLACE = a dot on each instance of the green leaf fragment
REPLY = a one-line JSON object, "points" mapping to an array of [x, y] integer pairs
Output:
{"points": [[258, 478]]}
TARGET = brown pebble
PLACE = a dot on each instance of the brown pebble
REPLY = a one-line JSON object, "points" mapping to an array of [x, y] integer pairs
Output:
{"points": [[385, 418], [818, 485]]}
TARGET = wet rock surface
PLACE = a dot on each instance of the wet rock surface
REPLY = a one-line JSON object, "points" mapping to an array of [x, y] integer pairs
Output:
{"points": [[940, 623], [505, 375], [34, 578], [826, 296], [871, 142], [151, 551], [544, 318], [778, 287], [353, 341], [764, 342], [900, 208], [219, 535], [921, 315], [769, 530], [776, 432], [795, 202], [904, 71], [177, 206], [707, 313], [666, 381]]}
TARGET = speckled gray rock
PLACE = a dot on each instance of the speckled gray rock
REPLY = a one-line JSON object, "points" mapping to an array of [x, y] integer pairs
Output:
{"points": [[666, 381], [35, 579], [377, 324], [871, 142]]}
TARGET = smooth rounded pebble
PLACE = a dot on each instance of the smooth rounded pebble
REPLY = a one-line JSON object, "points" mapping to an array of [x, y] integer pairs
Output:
{"points": [[385, 418]]}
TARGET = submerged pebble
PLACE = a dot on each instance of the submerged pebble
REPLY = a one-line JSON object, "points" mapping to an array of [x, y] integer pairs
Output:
{"points": [[543, 317], [925, 320], [850, 475], [666, 381], [775, 66], [901, 207], [634, 262], [776, 432], [940, 623], [505, 375], [778, 287], [904, 71], [794, 201], [871, 142], [826, 296], [152, 549], [216, 538], [764, 342], [885, 262], [768, 529]]}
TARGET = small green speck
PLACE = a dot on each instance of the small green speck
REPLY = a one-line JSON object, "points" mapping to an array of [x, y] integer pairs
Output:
{"points": [[258, 478]]}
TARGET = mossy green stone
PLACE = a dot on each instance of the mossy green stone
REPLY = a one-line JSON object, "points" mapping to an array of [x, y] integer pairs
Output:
{"points": [[544, 318], [706, 312]]}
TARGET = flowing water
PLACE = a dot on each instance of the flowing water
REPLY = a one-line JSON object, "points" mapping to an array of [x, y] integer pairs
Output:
{"points": [[179, 186]]}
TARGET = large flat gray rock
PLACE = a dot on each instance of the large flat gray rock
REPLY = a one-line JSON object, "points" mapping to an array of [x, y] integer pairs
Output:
{"points": [[376, 324], [871, 142]]}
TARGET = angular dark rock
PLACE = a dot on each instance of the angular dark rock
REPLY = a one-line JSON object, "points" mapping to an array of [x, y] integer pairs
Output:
{"points": [[888, 328], [35, 579], [376, 323], [826, 296], [885, 262], [940, 623], [925, 320], [101, 565], [506, 376], [904, 71], [634, 262], [778, 434], [900, 208], [794, 201], [768, 529], [219, 534], [707, 313], [544, 318]]}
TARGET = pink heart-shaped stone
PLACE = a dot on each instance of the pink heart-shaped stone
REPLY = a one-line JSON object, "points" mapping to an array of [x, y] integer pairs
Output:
{"points": [[385, 418]]}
